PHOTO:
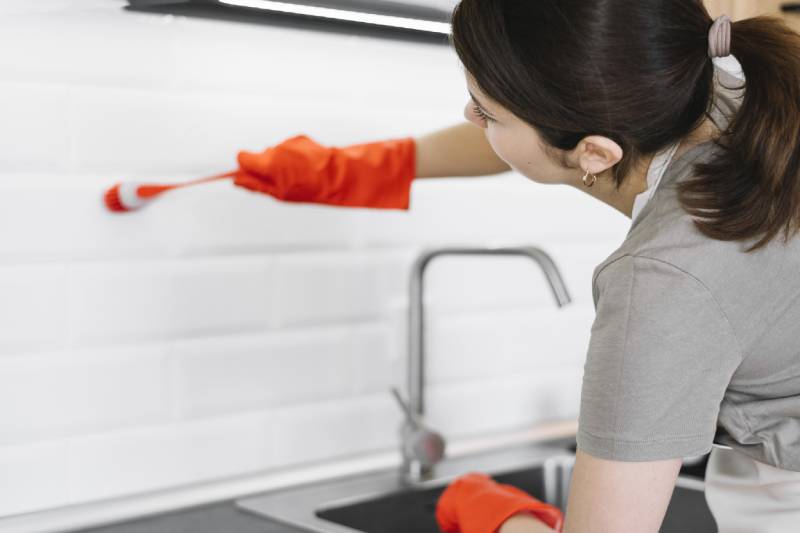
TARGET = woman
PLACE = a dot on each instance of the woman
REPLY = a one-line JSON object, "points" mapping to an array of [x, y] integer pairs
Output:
{"points": [[697, 328]]}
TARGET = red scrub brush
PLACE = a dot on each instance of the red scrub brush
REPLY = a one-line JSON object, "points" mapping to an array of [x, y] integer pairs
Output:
{"points": [[127, 196], [375, 175]]}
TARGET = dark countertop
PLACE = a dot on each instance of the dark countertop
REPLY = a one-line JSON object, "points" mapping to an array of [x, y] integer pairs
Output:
{"points": [[220, 517]]}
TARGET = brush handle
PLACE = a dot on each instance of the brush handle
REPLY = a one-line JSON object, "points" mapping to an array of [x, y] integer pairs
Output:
{"points": [[127, 196], [149, 190]]}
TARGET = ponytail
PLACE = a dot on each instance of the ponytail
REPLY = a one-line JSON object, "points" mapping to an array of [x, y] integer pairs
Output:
{"points": [[752, 187]]}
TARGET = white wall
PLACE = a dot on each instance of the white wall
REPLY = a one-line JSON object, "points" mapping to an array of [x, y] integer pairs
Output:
{"points": [[219, 332]]}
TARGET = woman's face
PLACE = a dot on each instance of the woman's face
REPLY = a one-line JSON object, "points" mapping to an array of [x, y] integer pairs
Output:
{"points": [[514, 141], [518, 144]]}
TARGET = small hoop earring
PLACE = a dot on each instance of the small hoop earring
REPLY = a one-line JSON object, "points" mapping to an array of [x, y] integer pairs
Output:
{"points": [[594, 179]]}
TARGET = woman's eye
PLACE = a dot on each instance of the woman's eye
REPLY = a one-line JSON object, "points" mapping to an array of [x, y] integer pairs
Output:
{"points": [[484, 116]]}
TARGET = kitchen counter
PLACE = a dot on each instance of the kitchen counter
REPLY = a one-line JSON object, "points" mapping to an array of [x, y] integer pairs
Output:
{"points": [[220, 517], [226, 517]]}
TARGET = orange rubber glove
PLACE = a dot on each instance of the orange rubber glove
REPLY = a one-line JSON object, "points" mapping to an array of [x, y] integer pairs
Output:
{"points": [[376, 174], [475, 503]]}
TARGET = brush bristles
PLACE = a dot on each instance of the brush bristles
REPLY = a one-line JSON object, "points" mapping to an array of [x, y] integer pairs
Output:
{"points": [[113, 201]]}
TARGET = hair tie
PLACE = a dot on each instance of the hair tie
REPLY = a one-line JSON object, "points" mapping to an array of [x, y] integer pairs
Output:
{"points": [[719, 37]]}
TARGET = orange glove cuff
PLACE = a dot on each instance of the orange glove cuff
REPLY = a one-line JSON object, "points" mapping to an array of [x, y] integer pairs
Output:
{"points": [[475, 503], [376, 174]]}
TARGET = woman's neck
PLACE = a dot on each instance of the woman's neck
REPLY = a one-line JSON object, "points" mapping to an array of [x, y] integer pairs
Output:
{"points": [[635, 182]]}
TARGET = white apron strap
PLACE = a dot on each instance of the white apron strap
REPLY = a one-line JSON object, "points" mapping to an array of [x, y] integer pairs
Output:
{"points": [[748, 496]]}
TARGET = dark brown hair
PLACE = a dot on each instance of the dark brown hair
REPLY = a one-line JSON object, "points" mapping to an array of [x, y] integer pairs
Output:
{"points": [[638, 72]]}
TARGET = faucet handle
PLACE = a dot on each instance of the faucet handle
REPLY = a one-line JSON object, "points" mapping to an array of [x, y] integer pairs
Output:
{"points": [[420, 445], [411, 418]]}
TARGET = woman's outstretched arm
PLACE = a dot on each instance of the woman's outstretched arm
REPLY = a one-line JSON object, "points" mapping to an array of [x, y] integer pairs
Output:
{"points": [[459, 150]]}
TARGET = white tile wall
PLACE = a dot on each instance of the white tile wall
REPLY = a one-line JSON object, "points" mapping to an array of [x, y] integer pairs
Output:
{"points": [[220, 332]]}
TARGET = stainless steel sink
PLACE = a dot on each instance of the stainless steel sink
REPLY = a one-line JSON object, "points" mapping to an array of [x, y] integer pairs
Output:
{"points": [[382, 502]]}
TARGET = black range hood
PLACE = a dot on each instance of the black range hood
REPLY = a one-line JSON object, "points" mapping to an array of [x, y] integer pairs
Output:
{"points": [[382, 18]]}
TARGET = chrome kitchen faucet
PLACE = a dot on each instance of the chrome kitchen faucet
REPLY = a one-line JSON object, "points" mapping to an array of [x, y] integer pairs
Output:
{"points": [[422, 447]]}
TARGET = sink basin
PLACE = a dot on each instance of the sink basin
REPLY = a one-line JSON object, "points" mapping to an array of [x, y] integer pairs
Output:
{"points": [[381, 502], [415, 510]]}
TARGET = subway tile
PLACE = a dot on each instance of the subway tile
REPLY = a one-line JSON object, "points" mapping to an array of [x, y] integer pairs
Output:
{"points": [[81, 45], [54, 395], [34, 308], [336, 429], [307, 71], [245, 373], [197, 222], [161, 457], [85, 229], [164, 299], [188, 53], [169, 133], [33, 477], [317, 287], [485, 406], [190, 222], [380, 363], [496, 210], [36, 123], [502, 344]]}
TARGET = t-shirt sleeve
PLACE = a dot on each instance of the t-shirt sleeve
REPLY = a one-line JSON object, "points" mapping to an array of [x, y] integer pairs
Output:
{"points": [[661, 355]]}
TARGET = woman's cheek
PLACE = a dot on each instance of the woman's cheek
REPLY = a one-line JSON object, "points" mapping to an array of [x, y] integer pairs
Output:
{"points": [[504, 148]]}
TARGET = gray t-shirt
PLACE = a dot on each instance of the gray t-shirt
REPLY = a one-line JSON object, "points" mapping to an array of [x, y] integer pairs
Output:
{"points": [[694, 341]]}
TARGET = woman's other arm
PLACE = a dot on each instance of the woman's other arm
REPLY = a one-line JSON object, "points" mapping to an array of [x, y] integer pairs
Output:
{"points": [[608, 496], [460, 150], [524, 523]]}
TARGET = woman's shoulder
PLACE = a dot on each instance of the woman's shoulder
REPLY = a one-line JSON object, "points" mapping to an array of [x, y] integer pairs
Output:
{"points": [[663, 229]]}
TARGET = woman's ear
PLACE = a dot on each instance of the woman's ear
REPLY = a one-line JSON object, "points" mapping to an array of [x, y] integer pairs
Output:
{"points": [[596, 153]]}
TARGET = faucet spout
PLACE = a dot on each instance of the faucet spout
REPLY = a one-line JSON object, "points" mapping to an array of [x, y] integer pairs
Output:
{"points": [[416, 350]]}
